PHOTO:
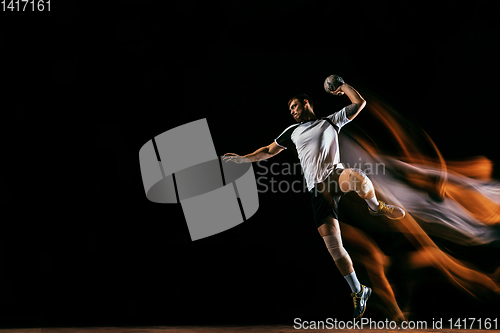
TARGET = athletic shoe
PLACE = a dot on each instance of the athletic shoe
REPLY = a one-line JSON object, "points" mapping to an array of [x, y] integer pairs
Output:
{"points": [[360, 300], [389, 211]]}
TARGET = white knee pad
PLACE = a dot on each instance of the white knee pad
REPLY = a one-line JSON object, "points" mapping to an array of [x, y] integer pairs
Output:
{"points": [[334, 246], [360, 183]]}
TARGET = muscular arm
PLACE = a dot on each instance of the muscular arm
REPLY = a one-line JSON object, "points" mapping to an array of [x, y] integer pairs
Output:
{"points": [[352, 111], [260, 154], [264, 153], [358, 102]]}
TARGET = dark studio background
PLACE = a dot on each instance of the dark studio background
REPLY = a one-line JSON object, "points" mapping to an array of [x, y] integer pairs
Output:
{"points": [[86, 85]]}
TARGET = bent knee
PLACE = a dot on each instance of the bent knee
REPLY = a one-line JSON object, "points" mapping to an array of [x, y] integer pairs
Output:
{"points": [[357, 175], [356, 180]]}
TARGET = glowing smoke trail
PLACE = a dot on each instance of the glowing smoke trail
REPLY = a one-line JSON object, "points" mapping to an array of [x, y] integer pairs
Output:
{"points": [[453, 200]]}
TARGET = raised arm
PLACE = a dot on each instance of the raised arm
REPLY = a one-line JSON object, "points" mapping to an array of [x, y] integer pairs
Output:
{"points": [[260, 154], [358, 102]]}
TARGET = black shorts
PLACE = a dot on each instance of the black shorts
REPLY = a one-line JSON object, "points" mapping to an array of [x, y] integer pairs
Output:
{"points": [[325, 197]]}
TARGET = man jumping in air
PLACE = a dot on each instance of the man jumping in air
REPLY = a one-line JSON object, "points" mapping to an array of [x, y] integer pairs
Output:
{"points": [[316, 143]]}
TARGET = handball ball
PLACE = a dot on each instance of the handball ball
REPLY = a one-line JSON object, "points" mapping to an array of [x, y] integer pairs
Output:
{"points": [[333, 82]]}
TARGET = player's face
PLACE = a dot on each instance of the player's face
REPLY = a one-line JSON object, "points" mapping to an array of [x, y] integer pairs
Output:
{"points": [[296, 110]]}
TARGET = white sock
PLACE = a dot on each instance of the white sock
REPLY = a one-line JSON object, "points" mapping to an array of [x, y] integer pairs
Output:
{"points": [[352, 279], [373, 203]]}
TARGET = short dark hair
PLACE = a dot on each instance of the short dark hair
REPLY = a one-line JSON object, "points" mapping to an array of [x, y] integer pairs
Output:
{"points": [[301, 98]]}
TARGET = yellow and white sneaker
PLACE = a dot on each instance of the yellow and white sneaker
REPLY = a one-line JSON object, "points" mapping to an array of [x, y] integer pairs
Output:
{"points": [[390, 211], [360, 300]]}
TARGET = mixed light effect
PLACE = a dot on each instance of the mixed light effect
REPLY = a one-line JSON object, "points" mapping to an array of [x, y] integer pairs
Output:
{"points": [[457, 201]]}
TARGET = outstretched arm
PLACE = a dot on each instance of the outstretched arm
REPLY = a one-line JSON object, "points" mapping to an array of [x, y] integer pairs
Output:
{"points": [[260, 154], [358, 102]]}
